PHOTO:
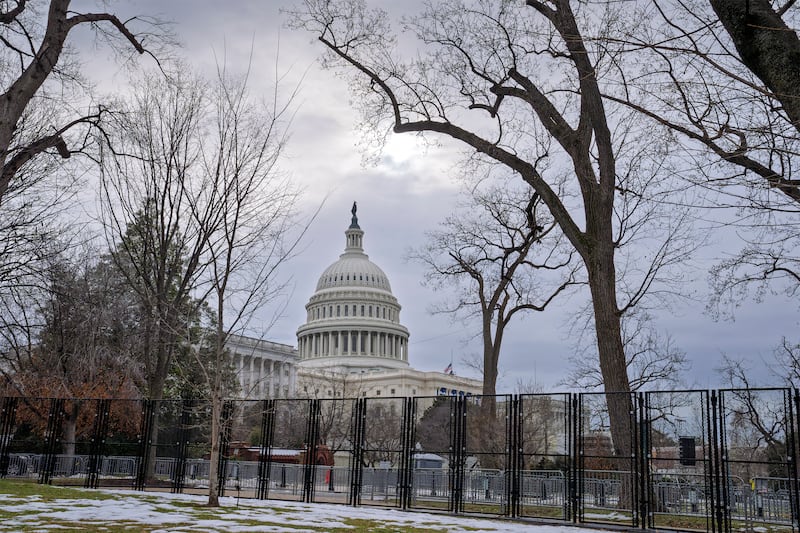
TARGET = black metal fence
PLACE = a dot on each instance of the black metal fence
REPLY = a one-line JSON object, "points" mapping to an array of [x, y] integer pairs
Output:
{"points": [[694, 460]]}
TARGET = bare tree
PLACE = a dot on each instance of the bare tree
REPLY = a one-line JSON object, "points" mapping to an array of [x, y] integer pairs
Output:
{"points": [[34, 57], [653, 361], [723, 75], [151, 189], [768, 264], [153, 194], [503, 257], [252, 234], [726, 82], [519, 86]]}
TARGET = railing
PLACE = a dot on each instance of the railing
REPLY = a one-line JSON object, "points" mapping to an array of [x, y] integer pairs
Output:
{"points": [[530, 456]]}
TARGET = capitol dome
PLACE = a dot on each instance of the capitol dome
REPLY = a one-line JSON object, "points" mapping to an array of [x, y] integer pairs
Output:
{"points": [[353, 319]]}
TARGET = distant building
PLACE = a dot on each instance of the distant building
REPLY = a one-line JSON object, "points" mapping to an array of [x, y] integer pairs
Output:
{"points": [[264, 369]]}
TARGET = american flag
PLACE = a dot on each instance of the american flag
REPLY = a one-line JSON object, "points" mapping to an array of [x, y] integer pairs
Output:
{"points": [[449, 369]]}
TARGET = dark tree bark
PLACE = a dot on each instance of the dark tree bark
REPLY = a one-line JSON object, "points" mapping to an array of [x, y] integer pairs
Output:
{"points": [[767, 46]]}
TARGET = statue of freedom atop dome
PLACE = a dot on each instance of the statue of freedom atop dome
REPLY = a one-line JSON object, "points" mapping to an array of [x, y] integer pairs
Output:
{"points": [[354, 221]]}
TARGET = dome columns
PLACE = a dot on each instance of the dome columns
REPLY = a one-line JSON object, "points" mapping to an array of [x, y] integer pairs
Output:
{"points": [[356, 342]]}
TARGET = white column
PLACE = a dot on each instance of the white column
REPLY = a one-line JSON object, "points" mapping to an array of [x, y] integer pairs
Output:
{"points": [[280, 379], [260, 378], [271, 379], [292, 380], [369, 343], [239, 365], [339, 344], [252, 375]]}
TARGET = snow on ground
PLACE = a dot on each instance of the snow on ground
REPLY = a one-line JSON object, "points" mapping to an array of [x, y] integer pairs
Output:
{"points": [[173, 513]]}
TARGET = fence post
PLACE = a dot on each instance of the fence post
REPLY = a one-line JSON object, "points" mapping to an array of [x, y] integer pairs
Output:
{"points": [[7, 419], [406, 472], [98, 441], [265, 450], [515, 458], [224, 446], [184, 432], [718, 477], [359, 421], [55, 418], [145, 434], [309, 464], [791, 449], [458, 416], [576, 457], [644, 461]]}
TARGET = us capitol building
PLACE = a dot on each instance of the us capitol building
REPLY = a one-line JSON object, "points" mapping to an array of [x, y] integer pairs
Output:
{"points": [[352, 344]]}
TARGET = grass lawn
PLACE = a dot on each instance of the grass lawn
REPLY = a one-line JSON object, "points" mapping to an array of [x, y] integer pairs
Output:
{"points": [[28, 506]]}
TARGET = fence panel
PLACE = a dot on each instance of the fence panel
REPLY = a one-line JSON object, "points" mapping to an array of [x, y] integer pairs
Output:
{"points": [[116, 443], [486, 460], [437, 437], [288, 461], [679, 448], [382, 451], [335, 450], [607, 471], [545, 445], [242, 448], [758, 439]]}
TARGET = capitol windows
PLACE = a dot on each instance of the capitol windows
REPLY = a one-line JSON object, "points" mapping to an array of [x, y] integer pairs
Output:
{"points": [[345, 310], [384, 312], [370, 310], [338, 310], [362, 310], [323, 312], [354, 310], [330, 311]]}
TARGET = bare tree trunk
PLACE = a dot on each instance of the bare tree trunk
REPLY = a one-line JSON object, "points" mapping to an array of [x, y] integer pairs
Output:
{"points": [[70, 425], [213, 467], [612, 355], [490, 357]]}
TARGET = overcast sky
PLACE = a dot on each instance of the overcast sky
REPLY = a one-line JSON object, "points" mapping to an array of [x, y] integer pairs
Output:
{"points": [[408, 192]]}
